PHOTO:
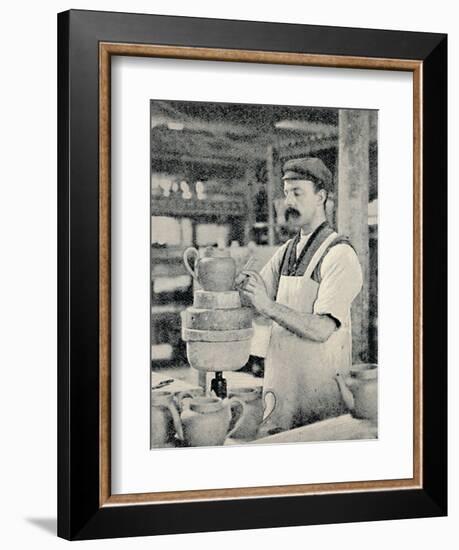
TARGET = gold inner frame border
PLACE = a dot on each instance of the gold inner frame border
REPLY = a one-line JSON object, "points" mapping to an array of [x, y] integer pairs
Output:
{"points": [[106, 51]]}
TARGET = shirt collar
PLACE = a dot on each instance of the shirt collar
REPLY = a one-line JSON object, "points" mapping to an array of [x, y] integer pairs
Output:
{"points": [[316, 230]]}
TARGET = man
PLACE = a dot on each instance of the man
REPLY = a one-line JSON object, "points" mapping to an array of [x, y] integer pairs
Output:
{"points": [[290, 228], [306, 290]]}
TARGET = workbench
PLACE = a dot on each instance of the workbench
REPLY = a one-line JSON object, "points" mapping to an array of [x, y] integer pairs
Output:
{"points": [[340, 428]]}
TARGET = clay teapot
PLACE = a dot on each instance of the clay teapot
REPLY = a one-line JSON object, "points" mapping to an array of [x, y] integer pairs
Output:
{"points": [[360, 391], [165, 419], [253, 412], [208, 421], [215, 271]]}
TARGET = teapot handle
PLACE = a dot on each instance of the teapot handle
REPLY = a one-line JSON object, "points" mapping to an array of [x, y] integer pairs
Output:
{"points": [[235, 418], [274, 403], [346, 393], [182, 400], [186, 254], [176, 419]]}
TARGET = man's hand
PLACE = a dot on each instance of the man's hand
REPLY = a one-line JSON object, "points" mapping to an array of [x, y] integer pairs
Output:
{"points": [[305, 325], [254, 289]]}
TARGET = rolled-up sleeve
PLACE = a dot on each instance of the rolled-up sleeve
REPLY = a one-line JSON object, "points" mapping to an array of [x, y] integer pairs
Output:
{"points": [[341, 281], [271, 271]]}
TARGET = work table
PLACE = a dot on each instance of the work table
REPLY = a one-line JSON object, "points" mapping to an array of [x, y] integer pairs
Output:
{"points": [[341, 428]]}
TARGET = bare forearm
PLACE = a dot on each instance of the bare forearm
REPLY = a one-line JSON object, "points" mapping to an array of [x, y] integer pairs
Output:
{"points": [[305, 325]]}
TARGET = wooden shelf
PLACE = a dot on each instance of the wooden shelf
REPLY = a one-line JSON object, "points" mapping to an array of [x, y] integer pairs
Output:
{"points": [[194, 208]]}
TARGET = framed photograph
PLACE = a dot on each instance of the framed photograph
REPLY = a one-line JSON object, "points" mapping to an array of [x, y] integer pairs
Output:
{"points": [[252, 299]]}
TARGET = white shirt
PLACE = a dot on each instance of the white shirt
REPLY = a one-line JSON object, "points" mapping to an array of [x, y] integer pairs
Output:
{"points": [[341, 280], [302, 243]]}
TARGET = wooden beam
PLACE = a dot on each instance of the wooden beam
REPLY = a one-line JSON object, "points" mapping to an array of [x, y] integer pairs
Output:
{"points": [[353, 187], [270, 192], [177, 157], [249, 195]]}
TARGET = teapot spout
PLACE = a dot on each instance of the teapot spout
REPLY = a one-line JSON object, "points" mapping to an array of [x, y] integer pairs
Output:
{"points": [[346, 393]]}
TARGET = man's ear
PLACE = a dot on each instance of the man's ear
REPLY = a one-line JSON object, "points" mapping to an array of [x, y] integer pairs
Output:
{"points": [[323, 195]]}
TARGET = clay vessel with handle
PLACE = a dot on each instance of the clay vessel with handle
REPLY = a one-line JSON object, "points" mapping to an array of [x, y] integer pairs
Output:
{"points": [[359, 391], [267, 427], [165, 419], [208, 421], [215, 271], [253, 412]]}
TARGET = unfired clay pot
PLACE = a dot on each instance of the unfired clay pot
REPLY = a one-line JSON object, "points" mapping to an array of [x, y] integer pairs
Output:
{"points": [[253, 412], [165, 419], [208, 421], [360, 391], [215, 271]]}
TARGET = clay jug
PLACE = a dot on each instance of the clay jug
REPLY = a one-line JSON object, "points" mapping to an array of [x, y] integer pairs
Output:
{"points": [[215, 271], [253, 413], [360, 391], [165, 420], [208, 421]]}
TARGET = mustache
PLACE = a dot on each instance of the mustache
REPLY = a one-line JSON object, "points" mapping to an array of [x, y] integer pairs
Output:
{"points": [[290, 211]]}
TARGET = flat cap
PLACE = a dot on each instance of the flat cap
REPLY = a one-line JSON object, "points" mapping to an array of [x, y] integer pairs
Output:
{"points": [[304, 168]]}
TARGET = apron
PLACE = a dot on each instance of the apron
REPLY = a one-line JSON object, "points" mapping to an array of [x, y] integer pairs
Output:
{"points": [[300, 372]]}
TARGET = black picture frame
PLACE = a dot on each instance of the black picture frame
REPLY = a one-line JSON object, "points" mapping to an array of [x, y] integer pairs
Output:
{"points": [[80, 514]]}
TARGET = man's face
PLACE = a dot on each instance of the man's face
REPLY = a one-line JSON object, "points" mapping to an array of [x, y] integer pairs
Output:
{"points": [[302, 201]]}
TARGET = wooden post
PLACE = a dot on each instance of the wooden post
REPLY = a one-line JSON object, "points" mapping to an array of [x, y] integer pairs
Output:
{"points": [[270, 193], [249, 180], [353, 186]]}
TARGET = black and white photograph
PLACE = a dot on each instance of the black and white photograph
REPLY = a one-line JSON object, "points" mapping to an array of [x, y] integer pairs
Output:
{"points": [[264, 274], [229, 266]]}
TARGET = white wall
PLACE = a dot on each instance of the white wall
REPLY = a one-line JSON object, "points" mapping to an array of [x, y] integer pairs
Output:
{"points": [[28, 269]]}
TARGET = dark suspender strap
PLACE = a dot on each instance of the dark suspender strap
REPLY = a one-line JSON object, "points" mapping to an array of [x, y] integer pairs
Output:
{"points": [[295, 267], [289, 259], [284, 263], [314, 241], [340, 239], [311, 247]]}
